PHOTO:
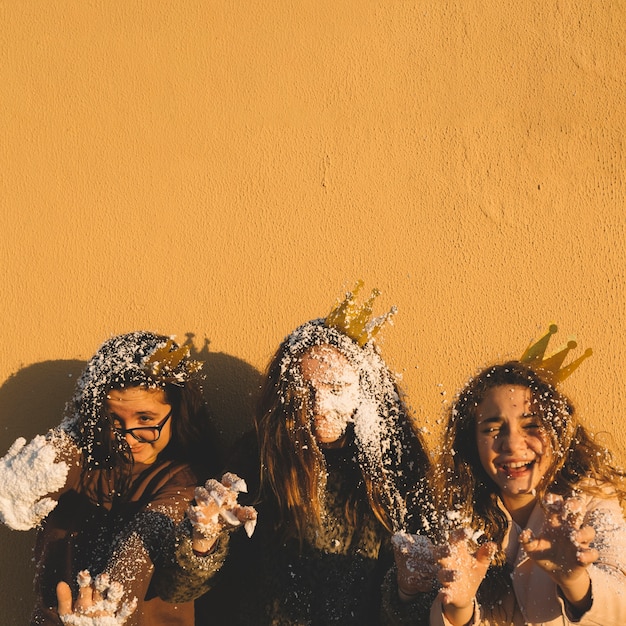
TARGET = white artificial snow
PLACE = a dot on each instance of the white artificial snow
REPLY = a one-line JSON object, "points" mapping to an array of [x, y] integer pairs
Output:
{"points": [[378, 414], [216, 506], [234, 482], [28, 474], [105, 612], [418, 548], [76, 619]]}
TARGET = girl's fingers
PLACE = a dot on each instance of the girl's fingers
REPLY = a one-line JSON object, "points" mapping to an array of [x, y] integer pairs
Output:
{"points": [[584, 536], [574, 512], [97, 596], [533, 545], [245, 513], [446, 576], [587, 556], [64, 599], [485, 553], [85, 599]]}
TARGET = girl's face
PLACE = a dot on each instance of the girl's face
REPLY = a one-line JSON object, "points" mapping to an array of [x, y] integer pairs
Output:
{"points": [[141, 407], [335, 394], [512, 444]]}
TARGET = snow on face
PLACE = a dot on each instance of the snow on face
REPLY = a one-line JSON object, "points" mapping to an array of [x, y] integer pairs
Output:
{"points": [[379, 411], [335, 393]]}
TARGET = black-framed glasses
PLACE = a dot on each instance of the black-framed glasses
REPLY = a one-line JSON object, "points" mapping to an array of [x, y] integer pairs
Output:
{"points": [[144, 434]]}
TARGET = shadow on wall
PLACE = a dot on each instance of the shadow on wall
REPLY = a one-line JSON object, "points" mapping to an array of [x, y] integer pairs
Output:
{"points": [[32, 402], [231, 387]]}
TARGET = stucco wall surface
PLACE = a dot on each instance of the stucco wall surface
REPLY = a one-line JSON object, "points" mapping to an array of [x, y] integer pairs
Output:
{"points": [[229, 169]]}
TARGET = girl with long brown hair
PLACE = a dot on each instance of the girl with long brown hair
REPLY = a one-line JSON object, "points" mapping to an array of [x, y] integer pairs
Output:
{"points": [[336, 467], [531, 527]]}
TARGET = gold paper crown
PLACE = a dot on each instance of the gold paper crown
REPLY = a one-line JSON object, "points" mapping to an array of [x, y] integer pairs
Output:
{"points": [[162, 363], [534, 356], [353, 320]]}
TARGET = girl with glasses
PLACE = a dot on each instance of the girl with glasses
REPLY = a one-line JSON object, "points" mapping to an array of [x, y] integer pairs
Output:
{"points": [[107, 488]]}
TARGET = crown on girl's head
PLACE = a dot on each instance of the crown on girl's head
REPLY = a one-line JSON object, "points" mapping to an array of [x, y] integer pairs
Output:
{"points": [[353, 319], [534, 356], [164, 361]]}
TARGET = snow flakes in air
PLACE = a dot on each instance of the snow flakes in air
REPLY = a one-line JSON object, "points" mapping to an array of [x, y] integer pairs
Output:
{"points": [[417, 547], [28, 473]]}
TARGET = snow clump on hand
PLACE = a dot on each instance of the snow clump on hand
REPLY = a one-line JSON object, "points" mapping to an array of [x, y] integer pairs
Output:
{"points": [[104, 612], [217, 508], [28, 473]]}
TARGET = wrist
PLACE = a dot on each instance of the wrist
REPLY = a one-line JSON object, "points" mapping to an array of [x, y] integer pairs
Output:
{"points": [[460, 615], [576, 590], [202, 546], [206, 552]]}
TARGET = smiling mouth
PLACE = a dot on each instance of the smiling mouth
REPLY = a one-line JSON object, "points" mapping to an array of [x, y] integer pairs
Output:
{"points": [[516, 469]]}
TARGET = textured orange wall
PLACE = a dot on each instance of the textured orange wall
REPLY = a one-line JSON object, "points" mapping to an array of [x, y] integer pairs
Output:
{"points": [[228, 169]]}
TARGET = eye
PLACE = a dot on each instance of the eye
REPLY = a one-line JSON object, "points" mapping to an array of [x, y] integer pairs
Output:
{"points": [[490, 430], [533, 423]]}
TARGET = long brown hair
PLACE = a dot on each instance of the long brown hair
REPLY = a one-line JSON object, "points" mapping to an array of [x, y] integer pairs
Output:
{"points": [[460, 483], [391, 456]]}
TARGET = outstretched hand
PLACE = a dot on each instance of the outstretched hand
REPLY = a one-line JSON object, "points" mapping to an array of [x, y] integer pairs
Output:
{"points": [[461, 572], [217, 509], [28, 474], [98, 602], [563, 546], [415, 563]]}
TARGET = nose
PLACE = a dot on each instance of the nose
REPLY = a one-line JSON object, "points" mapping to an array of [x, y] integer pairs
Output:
{"points": [[513, 440], [130, 440], [316, 402]]}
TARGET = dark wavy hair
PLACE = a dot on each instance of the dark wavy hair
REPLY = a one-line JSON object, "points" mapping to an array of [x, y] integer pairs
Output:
{"points": [[459, 480], [391, 458]]}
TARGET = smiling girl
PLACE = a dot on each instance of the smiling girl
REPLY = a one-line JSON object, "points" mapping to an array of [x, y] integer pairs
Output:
{"points": [[536, 533], [107, 487]]}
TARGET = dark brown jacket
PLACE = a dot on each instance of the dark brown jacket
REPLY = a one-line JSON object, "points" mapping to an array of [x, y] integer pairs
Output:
{"points": [[130, 538]]}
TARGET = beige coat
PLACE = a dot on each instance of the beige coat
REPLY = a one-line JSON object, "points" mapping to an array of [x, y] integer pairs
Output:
{"points": [[535, 600]]}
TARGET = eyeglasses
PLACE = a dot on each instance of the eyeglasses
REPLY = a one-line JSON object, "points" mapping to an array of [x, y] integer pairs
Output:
{"points": [[144, 434]]}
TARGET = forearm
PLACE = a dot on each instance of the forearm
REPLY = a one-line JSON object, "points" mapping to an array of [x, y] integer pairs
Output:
{"points": [[147, 542], [607, 598], [576, 591], [191, 575]]}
